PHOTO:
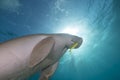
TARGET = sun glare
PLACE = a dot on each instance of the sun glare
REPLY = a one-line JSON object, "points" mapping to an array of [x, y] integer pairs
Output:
{"points": [[70, 30], [78, 29]]}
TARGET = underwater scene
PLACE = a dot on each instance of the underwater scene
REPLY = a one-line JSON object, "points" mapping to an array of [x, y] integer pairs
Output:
{"points": [[96, 21]]}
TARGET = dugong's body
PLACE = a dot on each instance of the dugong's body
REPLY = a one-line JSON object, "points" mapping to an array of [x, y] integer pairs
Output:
{"points": [[22, 57]]}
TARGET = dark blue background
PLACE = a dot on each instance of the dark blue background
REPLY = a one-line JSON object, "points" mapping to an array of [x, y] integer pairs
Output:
{"points": [[99, 56]]}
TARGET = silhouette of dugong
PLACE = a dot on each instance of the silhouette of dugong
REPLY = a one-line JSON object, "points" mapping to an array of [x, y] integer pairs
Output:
{"points": [[22, 57]]}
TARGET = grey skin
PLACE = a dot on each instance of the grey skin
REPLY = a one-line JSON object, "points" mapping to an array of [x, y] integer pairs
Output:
{"points": [[22, 57]]}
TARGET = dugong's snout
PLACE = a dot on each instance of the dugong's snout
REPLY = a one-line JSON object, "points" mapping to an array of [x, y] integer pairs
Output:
{"points": [[77, 41], [73, 42]]}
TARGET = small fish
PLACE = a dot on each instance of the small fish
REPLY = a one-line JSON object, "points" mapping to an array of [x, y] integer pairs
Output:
{"points": [[73, 46]]}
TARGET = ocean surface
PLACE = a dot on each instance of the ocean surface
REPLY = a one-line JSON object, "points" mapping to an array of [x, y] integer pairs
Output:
{"points": [[96, 21]]}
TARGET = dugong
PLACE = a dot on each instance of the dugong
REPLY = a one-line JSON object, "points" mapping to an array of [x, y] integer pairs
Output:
{"points": [[22, 57]]}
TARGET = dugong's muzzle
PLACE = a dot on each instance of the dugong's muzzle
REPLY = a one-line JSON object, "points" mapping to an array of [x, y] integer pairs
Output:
{"points": [[76, 42]]}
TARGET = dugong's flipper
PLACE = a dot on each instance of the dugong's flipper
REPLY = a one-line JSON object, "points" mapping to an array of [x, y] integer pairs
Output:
{"points": [[48, 72], [44, 47]]}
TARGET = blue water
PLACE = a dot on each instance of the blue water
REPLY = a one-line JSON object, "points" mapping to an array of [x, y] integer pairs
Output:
{"points": [[98, 22]]}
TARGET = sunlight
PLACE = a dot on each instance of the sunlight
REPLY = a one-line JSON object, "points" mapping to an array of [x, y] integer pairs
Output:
{"points": [[80, 29], [70, 30]]}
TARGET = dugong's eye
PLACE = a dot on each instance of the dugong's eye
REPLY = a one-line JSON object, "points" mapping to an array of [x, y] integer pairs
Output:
{"points": [[74, 39]]}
